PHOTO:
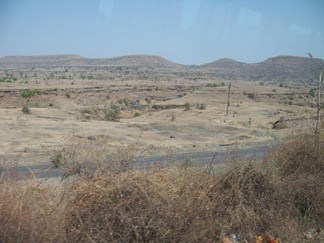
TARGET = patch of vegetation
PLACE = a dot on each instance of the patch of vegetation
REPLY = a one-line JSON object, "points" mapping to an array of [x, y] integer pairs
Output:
{"points": [[137, 114], [56, 158], [129, 104], [87, 110], [214, 85], [187, 106], [9, 78], [250, 95], [312, 92], [108, 201], [201, 106], [25, 110], [28, 93], [112, 113]]}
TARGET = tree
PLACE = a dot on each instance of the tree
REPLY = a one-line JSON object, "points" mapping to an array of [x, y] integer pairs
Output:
{"points": [[228, 97], [315, 124]]}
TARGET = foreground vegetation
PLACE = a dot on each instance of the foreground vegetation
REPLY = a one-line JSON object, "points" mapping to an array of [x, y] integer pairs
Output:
{"points": [[280, 196]]}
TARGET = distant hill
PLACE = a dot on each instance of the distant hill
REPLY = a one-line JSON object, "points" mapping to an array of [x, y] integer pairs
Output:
{"points": [[275, 69], [132, 60], [289, 68], [37, 61], [52, 61], [224, 63], [280, 68]]}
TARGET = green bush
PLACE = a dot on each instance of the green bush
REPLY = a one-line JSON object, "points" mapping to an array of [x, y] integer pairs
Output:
{"points": [[87, 110], [312, 92], [251, 95], [56, 158], [28, 93], [212, 85], [137, 114], [112, 113], [25, 110], [201, 106]]}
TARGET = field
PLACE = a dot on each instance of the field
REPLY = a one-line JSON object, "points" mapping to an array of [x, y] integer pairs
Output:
{"points": [[171, 116]]}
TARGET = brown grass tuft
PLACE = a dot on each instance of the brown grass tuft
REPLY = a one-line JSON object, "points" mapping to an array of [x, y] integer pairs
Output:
{"points": [[30, 212]]}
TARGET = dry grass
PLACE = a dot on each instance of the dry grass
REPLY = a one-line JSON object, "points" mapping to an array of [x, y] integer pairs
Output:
{"points": [[30, 212], [281, 196], [89, 159]]}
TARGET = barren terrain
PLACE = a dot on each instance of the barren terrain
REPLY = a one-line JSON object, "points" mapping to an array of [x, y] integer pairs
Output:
{"points": [[168, 116]]}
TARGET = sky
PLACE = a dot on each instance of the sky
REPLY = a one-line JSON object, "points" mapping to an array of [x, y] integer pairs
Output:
{"points": [[183, 31]]}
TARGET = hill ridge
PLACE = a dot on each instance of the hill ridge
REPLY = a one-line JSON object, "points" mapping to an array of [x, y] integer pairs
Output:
{"points": [[276, 69]]}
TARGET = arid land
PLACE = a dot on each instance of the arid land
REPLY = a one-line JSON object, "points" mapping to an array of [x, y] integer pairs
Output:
{"points": [[166, 113]]}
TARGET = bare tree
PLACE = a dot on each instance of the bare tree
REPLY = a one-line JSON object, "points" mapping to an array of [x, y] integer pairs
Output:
{"points": [[315, 124], [228, 97]]}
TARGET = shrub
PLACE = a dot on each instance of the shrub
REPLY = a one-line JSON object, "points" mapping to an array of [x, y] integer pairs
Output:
{"points": [[56, 158], [137, 114], [30, 213], [201, 106], [187, 106], [212, 85], [112, 113], [87, 110], [300, 169], [28, 93], [312, 92], [25, 110], [251, 95], [108, 201], [89, 160]]}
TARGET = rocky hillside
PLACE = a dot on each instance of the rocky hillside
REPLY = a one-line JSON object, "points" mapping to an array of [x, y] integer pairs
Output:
{"points": [[280, 68]]}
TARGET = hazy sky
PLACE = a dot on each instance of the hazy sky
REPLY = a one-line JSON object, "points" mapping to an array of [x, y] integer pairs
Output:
{"points": [[183, 31]]}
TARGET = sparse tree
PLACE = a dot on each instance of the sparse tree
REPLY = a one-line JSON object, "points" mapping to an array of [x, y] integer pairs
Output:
{"points": [[228, 97], [316, 101]]}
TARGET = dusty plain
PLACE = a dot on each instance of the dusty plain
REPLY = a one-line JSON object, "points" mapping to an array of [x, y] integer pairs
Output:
{"points": [[166, 116]]}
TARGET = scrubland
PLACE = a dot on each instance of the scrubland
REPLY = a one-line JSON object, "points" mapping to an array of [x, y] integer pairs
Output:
{"points": [[281, 196]]}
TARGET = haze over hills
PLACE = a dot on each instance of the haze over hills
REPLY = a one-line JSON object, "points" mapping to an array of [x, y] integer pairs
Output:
{"points": [[51, 61], [277, 69]]}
